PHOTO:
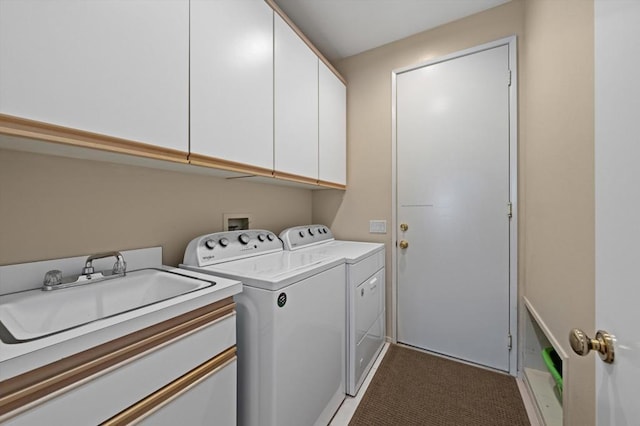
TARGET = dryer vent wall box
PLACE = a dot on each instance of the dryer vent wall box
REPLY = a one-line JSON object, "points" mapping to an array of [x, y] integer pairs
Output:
{"points": [[237, 221]]}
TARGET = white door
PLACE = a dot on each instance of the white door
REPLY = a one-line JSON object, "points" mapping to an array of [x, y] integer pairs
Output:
{"points": [[453, 192], [617, 171]]}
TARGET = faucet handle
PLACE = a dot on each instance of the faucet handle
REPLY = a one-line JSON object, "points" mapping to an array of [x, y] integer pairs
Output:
{"points": [[52, 277], [120, 267]]}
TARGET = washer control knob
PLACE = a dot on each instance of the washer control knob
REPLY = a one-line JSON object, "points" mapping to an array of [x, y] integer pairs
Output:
{"points": [[210, 244], [301, 233], [261, 237], [244, 238], [325, 230], [270, 237], [310, 231], [223, 242]]}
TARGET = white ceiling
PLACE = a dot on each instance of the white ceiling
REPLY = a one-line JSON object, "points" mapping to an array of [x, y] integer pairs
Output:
{"points": [[342, 28]]}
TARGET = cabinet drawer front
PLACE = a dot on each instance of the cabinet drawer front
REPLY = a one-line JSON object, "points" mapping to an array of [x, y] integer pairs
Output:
{"points": [[98, 397], [210, 400]]}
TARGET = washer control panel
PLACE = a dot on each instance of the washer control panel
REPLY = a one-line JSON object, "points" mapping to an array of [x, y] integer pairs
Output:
{"points": [[303, 236], [232, 245]]}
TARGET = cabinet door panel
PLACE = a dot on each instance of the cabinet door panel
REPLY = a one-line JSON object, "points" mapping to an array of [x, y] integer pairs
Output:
{"points": [[232, 81], [296, 103], [332, 127], [118, 68]]}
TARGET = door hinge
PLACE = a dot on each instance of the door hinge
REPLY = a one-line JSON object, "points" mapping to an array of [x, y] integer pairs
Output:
{"points": [[509, 210], [509, 341], [509, 78]]}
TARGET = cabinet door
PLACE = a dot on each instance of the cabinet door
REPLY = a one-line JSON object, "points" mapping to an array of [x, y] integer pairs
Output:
{"points": [[232, 81], [118, 68], [332, 94], [296, 104]]}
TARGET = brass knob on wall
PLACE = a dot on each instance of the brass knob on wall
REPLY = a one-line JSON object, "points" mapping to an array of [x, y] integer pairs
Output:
{"points": [[404, 244], [583, 344]]}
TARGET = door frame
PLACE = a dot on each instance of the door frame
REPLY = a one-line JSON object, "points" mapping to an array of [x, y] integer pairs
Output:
{"points": [[511, 43]]}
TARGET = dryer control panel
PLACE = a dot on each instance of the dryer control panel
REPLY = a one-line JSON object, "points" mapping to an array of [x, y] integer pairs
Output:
{"points": [[220, 247], [303, 236]]}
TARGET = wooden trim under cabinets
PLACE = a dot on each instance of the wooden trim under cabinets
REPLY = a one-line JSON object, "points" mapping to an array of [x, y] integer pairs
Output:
{"points": [[332, 185], [37, 130], [295, 178], [219, 163], [304, 38], [41, 382], [173, 389]]}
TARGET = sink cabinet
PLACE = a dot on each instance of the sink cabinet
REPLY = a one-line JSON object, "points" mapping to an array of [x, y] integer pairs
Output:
{"points": [[182, 368]]}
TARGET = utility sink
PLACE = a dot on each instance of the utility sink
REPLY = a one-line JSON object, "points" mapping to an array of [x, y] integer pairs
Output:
{"points": [[34, 314]]}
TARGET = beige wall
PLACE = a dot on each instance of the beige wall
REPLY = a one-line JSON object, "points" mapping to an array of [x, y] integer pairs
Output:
{"points": [[557, 148], [53, 207], [556, 229]]}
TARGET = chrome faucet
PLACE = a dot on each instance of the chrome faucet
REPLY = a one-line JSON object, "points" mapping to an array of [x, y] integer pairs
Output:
{"points": [[53, 279], [120, 267]]}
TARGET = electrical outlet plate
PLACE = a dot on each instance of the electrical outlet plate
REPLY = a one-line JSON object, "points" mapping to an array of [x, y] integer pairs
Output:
{"points": [[377, 226]]}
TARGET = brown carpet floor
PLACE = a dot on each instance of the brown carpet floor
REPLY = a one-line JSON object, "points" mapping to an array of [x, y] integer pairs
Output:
{"points": [[414, 388]]}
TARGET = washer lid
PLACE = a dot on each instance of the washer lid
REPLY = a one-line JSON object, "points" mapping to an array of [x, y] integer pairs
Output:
{"points": [[272, 271]]}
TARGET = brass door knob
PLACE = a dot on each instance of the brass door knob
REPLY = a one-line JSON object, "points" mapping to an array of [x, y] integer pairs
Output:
{"points": [[583, 344], [404, 227], [404, 244]]}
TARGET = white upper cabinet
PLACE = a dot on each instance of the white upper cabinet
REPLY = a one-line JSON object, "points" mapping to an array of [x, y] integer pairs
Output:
{"points": [[296, 104], [332, 161], [232, 81], [117, 68]]}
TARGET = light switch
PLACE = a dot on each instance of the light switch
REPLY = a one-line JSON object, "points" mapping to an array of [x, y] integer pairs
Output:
{"points": [[377, 226]]}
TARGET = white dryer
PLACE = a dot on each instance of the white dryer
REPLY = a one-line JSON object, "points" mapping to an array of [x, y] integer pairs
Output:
{"points": [[365, 279], [290, 326]]}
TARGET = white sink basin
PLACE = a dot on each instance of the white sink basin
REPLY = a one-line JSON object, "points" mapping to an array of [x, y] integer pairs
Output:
{"points": [[35, 314]]}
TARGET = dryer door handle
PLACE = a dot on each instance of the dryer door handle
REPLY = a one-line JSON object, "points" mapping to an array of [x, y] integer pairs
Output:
{"points": [[372, 283]]}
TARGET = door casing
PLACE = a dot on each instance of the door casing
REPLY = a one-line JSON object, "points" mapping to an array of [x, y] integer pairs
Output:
{"points": [[514, 357]]}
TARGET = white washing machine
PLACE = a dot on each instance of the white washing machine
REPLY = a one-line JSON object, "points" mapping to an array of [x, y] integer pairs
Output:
{"points": [[290, 326], [365, 278]]}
